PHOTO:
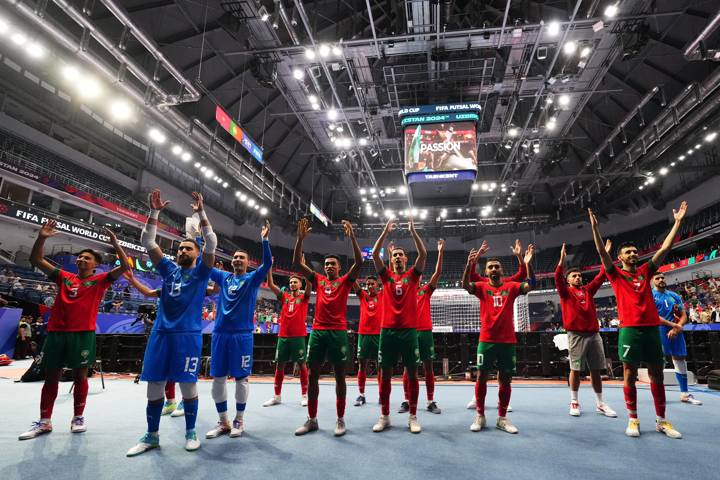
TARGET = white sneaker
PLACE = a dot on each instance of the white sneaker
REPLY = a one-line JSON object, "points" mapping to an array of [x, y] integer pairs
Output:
{"points": [[77, 425], [413, 424], [472, 405], [179, 410], [303, 401], [509, 409], [663, 426], [275, 400], [221, 428], [146, 443], [574, 409], [191, 441], [633, 428], [688, 398], [382, 423], [478, 424], [238, 427], [340, 427], [37, 429], [605, 409], [504, 424], [311, 424]]}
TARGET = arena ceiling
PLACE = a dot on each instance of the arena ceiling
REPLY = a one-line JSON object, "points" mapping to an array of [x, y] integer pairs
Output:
{"points": [[634, 95]]}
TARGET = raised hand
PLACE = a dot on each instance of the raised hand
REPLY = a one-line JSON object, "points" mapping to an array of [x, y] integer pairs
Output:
{"points": [[111, 234], [198, 204], [529, 253], [156, 203], [441, 245], [608, 246], [593, 218], [390, 225], [484, 247], [348, 229], [48, 230], [472, 257], [679, 214], [517, 248], [265, 230], [563, 254], [411, 225], [303, 228]]}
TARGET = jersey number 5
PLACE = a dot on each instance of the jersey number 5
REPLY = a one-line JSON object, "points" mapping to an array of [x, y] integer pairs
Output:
{"points": [[191, 364]]}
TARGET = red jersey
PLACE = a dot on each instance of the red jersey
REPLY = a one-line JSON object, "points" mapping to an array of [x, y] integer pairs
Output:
{"points": [[496, 311], [77, 301], [293, 314], [424, 317], [578, 304], [399, 298], [370, 313], [635, 303], [518, 277], [331, 302]]}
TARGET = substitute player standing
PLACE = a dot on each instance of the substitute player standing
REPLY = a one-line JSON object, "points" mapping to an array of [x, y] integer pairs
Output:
{"points": [[70, 341], [639, 338], [670, 306], [292, 334], [328, 339], [232, 340], [175, 345], [496, 348], [398, 336], [579, 318], [368, 331]]}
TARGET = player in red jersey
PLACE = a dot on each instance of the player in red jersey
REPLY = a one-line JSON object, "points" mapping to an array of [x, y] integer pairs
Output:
{"points": [[70, 341], [368, 331], [496, 348], [328, 339], [579, 318], [291, 337], [398, 336], [639, 337]]}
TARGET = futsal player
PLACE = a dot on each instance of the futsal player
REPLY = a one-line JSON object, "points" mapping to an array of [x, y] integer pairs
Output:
{"points": [[670, 307], [328, 339], [291, 337], [496, 348], [70, 341], [232, 339], [398, 336], [579, 318], [368, 331], [175, 345], [639, 337], [426, 343]]}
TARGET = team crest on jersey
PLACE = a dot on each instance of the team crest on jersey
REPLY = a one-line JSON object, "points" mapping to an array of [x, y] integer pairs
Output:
{"points": [[89, 283], [85, 354]]}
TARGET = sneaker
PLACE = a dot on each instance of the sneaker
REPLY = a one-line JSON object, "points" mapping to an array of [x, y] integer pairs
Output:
{"points": [[509, 409], [37, 429], [404, 407], [220, 429], [191, 441], [478, 424], [340, 427], [168, 407], [688, 398], [574, 409], [472, 405], [147, 442], [382, 423], [433, 408], [663, 426], [311, 424], [413, 424], [77, 425], [275, 400], [633, 428], [237, 429], [504, 424], [304, 401], [605, 409], [360, 401], [179, 410]]}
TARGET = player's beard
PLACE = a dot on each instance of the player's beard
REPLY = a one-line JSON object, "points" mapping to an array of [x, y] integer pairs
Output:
{"points": [[185, 260]]}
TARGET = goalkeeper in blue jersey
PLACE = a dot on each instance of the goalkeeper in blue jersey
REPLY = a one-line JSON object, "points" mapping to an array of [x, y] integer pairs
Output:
{"points": [[232, 341]]}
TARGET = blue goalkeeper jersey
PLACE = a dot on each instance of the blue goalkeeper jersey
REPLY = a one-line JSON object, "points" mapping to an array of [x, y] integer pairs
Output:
{"points": [[181, 297], [667, 303]]}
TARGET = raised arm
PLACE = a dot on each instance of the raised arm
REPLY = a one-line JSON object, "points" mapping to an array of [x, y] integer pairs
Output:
{"points": [[208, 253], [605, 258], [37, 255], [357, 253], [529, 285], [139, 286], [666, 246], [303, 229], [466, 284], [438, 266], [271, 285], [389, 227], [124, 262], [147, 236], [521, 274], [560, 273], [419, 246], [267, 258]]}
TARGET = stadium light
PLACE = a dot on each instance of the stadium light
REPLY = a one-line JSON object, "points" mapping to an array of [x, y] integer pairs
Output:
{"points": [[423, 215], [298, 73], [312, 98], [316, 106], [225, 184], [176, 150], [251, 202], [70, 72], [88, 88], [663, 171], [611, 11], [363, 142], [459, 210], [641, 187], [651, 180], [120, 110], [513, 132], [570, 47], [324, 50], [18, 38], [414, 212], [550, 126], [263, 211], [372, 190], [256, 206], [564, 100], [243, 197], [402, 189], [697, 146], [197, 164], [690, 152], [549, 99], [493, 186], [157, 136], [681, 157], [337, 51], [332, 114], [363, 191], [389, 214], [475, 186], [553, 28], [310, 54], [35, 50], [186, 157], [340, 128], [484, 187], [4, 27], [203, 168], [209, 173], [710, 136]]}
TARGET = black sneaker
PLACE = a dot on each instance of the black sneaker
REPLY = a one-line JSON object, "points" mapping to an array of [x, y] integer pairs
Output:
{"points": [[360, 401], [432, 407], [404, 407]]}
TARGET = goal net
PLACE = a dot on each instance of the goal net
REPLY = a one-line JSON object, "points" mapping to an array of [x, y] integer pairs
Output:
{"points": [[455, 310]]}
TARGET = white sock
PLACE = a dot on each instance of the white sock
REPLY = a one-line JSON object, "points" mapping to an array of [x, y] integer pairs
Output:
{"points": [[660, 419], [598, 398], [573, 395]]}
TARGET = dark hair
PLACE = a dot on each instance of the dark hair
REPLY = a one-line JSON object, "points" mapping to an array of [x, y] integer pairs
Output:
{"points": [[190, 240], [96, 255], [241, 250], [571, 270], [296, 276], [492, 259], [371, 277], [399, 248], [626, 245], [658, 273], [332, 256]]}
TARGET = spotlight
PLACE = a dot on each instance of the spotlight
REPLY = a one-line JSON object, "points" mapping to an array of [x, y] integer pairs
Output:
{"points": [[263, 211], [389, 214], [331, 126], [651, 180], [70, 73], [120, 110], [513, 132], [414, 212], [402, 189], [324, 50], [570, 47], [209, 173], [484, 187], [564, 100], [681, 157], [549, 99], [664, 171], [475, 186], [197, 165], [312, 99], [340, 128], [176, 150], [186, 157], [18, 38], [251, 202], [298, 73], [316, 106], [35, 50], [337, 51], [225, 184], [710, 136], [363, 142], [553, 28], [88, 88], [550, 126], [243, 197], [508, 144], [203, 168], [585, 52], [363, 191], [310, 54], [332, 114], [611, 10], [157, 136], [3, 26]]}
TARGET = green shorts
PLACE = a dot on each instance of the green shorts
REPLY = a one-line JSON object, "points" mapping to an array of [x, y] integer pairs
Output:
{"points": [[68, 349], [330, 345], [496, 356], [368, 347], [398, 344], [640, 344], [290, 349], [426, 344]]}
